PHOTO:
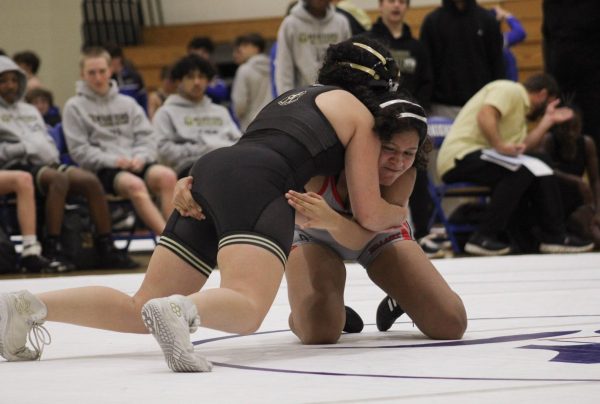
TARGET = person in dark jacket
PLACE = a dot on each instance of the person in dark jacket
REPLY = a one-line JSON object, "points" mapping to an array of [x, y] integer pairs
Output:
{"points": [[571, 31], [465, 45]]}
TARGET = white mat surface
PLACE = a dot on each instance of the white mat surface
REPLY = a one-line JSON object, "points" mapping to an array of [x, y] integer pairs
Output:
{"points": [[533, 336]]}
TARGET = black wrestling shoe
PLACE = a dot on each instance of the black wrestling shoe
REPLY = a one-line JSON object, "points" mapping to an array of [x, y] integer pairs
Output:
{"points": [[354, 323], [388, 312]]}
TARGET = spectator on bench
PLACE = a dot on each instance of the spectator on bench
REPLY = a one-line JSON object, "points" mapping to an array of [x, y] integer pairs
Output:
{"points": [[189, 124], [496, 117], [158, 97], [21, 184], [43, 100], [108, 133], [25, 145], [29, 62], [217, 89]]}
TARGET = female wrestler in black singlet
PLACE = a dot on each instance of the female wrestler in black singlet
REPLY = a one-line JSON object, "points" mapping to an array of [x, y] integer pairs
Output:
{"points": [[248, 228]]}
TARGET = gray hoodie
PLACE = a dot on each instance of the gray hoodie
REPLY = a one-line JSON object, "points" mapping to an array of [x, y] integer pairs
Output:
{"points": [[302, 41], [187, 130], [24, 139], [251, 88], [101, 129]]}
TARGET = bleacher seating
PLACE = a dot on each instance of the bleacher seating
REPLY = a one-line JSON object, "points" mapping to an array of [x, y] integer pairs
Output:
{"points": [[164, 44]]}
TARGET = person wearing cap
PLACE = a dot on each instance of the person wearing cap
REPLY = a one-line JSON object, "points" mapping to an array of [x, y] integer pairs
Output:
{"points": [[245, 225]]}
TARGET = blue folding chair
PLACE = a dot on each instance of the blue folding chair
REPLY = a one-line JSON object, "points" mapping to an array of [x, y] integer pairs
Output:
{"points": [[438, 128], [56, 133]]}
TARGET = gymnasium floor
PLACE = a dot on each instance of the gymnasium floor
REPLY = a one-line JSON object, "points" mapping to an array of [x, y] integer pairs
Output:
{"points": [[533, 336]]}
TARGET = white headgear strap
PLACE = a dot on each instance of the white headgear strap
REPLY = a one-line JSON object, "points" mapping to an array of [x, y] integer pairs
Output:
{"points": [[411, 115], [398, 101]]}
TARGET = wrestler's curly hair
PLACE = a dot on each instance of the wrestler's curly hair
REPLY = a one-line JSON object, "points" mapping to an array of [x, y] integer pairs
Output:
{"points": [[362, 66], [399, 112]]}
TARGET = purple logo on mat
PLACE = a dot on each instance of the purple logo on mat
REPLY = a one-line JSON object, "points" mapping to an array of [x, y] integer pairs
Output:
{"points": [[579, 353]]}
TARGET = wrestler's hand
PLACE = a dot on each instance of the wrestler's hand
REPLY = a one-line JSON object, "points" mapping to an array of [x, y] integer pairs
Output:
{"points": [[313, 207], [184, 202]]}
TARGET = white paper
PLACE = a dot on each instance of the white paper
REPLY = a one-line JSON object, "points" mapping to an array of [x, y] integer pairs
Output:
{"points": [[533, 164]]}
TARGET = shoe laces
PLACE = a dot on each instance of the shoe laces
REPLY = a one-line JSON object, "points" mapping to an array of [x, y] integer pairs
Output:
{"points": [[39, 337]]}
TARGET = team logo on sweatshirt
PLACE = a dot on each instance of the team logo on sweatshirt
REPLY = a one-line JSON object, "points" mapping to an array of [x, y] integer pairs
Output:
{"points": [[110, 119], [290, 99], [314, 38]]}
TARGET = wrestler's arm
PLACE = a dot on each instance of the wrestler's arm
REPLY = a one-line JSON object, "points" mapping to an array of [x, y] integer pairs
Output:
{"points": [[316, 213], [354, 126]]}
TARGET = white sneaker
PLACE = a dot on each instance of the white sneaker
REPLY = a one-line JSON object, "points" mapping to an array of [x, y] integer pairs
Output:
{"points": [[22, 315], [171, 320]]}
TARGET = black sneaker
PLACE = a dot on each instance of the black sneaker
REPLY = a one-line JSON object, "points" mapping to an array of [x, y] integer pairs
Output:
{"points": [[430, 247], [110, 257], [354, 323], [485, 245], [388, 312], [569, 244], [40, 264], [116, 259], [53, 251]]}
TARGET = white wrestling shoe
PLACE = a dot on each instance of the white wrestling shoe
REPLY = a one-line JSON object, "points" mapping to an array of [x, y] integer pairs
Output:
{"points": [[22, 315], [171, 320]]}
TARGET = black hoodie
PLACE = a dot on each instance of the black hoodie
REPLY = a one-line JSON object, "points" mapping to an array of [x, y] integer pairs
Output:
{"points": [[571, 32], [465, 48]]}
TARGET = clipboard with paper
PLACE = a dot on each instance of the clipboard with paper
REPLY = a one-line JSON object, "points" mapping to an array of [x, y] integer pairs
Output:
{"points": [[513, 163]]}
